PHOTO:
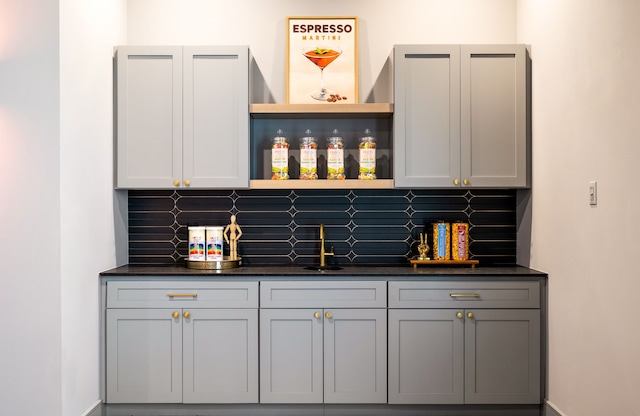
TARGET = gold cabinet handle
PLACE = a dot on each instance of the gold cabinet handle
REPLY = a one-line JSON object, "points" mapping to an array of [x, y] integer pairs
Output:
{"points": [[186, 315], [466, 181], [459, 315], [464, 295], [317, 315], [456, 181], [470, 315], [176, 183], [328, 315], [182, 295], [187, 182], [176, 314]]}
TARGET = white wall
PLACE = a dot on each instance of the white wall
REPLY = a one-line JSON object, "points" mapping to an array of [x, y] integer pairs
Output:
{"points": [[89, 29], [56, 199], [262, 26], [586, 102], [30, 286]]}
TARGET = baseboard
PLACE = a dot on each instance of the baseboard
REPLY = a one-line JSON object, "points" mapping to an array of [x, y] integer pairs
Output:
{"points": [[550, 410], [318, 410], [95, 410]]}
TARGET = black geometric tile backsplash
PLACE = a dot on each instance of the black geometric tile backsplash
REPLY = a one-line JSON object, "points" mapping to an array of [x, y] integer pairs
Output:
{"points": [[369, 227]]}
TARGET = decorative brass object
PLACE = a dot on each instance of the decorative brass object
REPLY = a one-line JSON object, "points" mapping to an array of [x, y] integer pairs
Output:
{"points": [[323, 252], [423, 248]]}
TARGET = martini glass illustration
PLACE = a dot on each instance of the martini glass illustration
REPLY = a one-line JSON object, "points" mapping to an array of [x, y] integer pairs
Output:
{"points": [[321, 57]]}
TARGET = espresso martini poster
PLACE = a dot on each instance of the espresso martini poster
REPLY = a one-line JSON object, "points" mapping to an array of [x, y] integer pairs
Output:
{"points": [[322, 60]]}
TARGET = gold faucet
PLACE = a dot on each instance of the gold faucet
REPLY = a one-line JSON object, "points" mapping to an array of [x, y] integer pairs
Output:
{"points": [[323, 252]]}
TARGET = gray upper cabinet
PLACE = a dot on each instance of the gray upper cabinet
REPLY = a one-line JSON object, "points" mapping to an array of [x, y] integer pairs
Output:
{"points": [[182, 117], [461, 116]]}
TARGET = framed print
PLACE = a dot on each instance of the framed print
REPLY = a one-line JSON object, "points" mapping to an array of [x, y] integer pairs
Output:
{"points": [[322, 60]]}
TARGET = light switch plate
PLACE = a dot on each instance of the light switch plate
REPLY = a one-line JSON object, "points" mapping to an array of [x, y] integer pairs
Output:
{"points": [[593, 193]]}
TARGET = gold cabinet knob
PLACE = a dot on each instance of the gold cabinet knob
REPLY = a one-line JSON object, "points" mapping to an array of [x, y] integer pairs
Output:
{"points": [[176, 314], [459, 315], [466, 181], [317, 315], [187, 182], [176, 183], [328, 315], [456, 181], [470, 315], [186, 315]]}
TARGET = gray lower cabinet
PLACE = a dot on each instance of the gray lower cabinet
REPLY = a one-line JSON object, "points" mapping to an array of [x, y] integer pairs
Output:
{"points": [[182, 117], [192, 352], [464, 343], [460, 116], [326, 353]]}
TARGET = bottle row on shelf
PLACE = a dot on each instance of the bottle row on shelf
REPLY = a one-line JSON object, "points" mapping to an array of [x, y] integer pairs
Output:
{"points": [[335, 157]]}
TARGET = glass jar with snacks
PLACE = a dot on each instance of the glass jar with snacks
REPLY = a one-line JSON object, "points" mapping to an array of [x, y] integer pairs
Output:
{"points": [[335, 157], [441, 241], [367, 156], [460, 240], [308, 157], [279, 157]]}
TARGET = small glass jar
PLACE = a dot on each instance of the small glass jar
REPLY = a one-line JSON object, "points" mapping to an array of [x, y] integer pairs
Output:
{"points": [[308, 157], [335, 157], [367, 156], [279, 157]]}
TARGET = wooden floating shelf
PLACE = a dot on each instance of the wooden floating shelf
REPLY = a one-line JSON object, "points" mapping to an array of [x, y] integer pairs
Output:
{"points": [[321, 184], [471, 263], [306, 110]]}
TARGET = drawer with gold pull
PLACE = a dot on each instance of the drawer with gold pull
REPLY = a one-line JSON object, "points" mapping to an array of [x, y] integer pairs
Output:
{"points": [[441, 294], [180, 294]]}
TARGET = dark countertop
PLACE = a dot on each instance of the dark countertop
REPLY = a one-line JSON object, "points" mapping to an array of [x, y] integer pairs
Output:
{"points": [[289, 272]]}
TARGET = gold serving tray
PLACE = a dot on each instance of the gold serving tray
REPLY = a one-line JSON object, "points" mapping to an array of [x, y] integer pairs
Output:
{"points": [[225, 263]]}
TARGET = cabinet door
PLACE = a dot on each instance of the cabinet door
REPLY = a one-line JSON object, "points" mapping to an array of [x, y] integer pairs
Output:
{"points": [[502, 356], [291, 356], [355, 356], [427, 115], [144, 356], [216, 116], [149, 116], [494, 115], [426, 356], [221, 356]]}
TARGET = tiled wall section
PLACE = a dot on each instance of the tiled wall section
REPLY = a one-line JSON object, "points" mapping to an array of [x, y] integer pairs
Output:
{"points": [[372, 227]]}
